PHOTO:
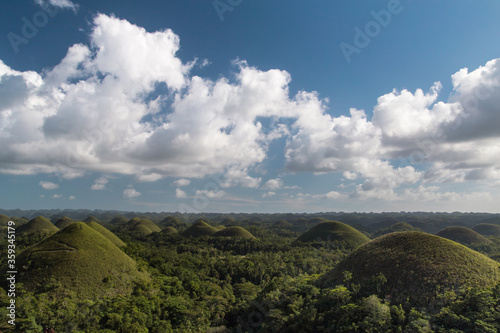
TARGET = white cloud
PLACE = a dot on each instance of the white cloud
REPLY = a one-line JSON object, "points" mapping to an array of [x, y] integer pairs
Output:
{"points": [[56, 196], [181, 182], [180, 194], [268, 194], [71, 197], [273, 184], [210, 194], [48, 185], [113, 107], [131, 193], [99, 184], [65, 4]]}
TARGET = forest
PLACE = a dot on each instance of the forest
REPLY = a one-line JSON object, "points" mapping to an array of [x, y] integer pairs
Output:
{"points": [[97, 271]]}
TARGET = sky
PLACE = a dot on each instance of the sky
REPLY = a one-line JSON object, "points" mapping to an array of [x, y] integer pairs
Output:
{"points": [[250, 106]]}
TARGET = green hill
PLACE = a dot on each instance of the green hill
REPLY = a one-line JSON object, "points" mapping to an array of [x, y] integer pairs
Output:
{"points": [[400, 226], [143, 226], [234, 232], [92, 218], [63, 222], [172, 221], [39, 225], [4, 219], [463, 236], [416, 266], [487, 229], [106, 233], [169, 230], [119, 220], [78, 259], [199, 229], [331, 231]]}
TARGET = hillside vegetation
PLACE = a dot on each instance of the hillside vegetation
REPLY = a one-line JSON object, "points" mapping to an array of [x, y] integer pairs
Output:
{"points": [[487, 229], [39, 225], [414, 266], [78, 260], [463, 236], [234, 231], [106, 233], [200, 229], [333, 231]]}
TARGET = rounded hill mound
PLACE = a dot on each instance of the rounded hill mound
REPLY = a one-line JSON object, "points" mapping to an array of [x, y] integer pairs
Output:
{"points": [[106, 233], [332, 231], [400, 226], [63, 222], [40, 225], [234, 231], [463, 236], [78, 260], [143, 226], [169, 230], [415, 266], [487, 229], [200, 229]]}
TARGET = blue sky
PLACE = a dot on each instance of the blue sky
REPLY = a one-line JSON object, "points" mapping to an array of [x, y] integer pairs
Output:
{"points": [[250, 106]]}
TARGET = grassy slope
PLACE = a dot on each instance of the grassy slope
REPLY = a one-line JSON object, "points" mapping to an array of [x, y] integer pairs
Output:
{"points": [[199, 229], [169, 230], [106, 233], [416, 265], [487, 229], [234, 232], [38, 224], [63, 222], [79, 259], [463, 235], [334, 231], [143, 225]]}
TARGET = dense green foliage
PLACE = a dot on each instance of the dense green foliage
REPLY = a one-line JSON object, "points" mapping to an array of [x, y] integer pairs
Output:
{"points": [[463, 236], [269, 283]]}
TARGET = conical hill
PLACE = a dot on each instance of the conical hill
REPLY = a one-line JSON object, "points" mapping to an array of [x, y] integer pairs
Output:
{"points": [[334, 231], [39, 224], [80, 260], [463, 236], [415, 266]]}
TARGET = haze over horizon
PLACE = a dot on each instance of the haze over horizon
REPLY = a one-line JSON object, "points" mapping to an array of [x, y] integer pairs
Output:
{"points": [[250, 106]]}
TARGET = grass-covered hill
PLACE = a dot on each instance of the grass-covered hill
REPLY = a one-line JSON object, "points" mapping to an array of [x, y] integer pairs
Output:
{"points": [[63, 222], [92, 218], [38, 225], [143, 226], [106, 233], [200, 229], [400, 226], [234, 231], [415, 266], [174, 222], [4, 219], [169, 230], [487, 229], [463, 236], [78, 259], [332, 231]]}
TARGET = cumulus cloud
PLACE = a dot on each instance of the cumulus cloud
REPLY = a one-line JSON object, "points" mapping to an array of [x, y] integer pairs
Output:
{"points": [[56, 196], [114, 107], [180, 194], [65, 4], [131, 193], [181, 182], [48, 185], [99, 184], [71, 197], [210, 194]]}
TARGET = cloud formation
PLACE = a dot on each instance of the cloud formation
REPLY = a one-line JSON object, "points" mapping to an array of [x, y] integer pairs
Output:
{"points": [[48, 185], [113, 107]]}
